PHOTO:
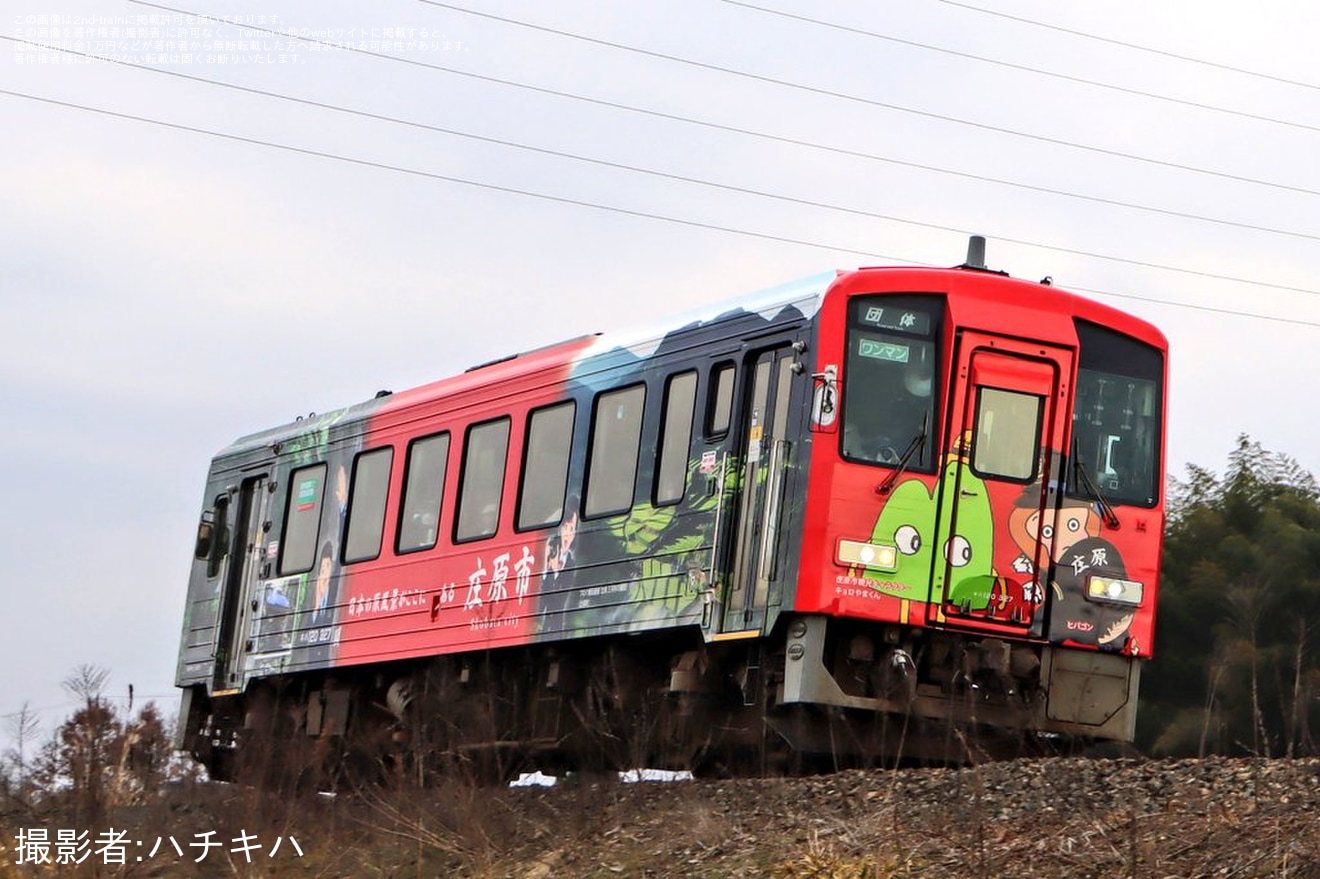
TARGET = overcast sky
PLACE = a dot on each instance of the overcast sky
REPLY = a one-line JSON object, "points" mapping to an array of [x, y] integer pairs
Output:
{"points": [[538, 171]]}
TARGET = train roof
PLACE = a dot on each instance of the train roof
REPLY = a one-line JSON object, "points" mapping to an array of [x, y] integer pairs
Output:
{"points": [[804, 295], [638, 341], [1001, 289]]}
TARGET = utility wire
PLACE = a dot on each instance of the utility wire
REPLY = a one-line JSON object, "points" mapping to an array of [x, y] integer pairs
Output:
{"points": [[742, 190], [1138, 47], [1214, 108], [599, 102], [431, 175], [1209, 308], [582, 203], [871, 102]]}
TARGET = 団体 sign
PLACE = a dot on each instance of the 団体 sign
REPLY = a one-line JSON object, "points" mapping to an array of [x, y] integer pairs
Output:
{"points": [[905, 320]]}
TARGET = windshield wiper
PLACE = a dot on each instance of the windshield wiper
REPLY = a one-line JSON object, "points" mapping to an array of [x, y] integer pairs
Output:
{"points": [[1111, 518], [917, 444]]}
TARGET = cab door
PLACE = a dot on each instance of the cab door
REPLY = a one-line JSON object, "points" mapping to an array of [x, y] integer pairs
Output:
{"points": [[755, 548], [245, 528], [1006, 430]]}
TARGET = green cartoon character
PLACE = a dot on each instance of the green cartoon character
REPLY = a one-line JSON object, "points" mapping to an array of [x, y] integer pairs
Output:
{"points": [[912, 521], [968, 532], [907, 522]]}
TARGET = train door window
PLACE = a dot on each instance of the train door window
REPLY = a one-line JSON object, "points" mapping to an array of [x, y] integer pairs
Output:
{"points": [[545, 466], [1006, 443], [889, 380], [719, 406], [1116, 419], [615, 439], [219, 545], [423, 488], [302, 519], [675, 438], [484, 455], [366, 504]]}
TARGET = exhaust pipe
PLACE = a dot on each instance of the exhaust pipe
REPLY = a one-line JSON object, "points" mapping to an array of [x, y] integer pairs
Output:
{"points": [[975, 253]]}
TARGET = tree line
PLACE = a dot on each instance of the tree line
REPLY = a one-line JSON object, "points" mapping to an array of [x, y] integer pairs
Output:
{"points": [[97, 759], [1236, 670]]}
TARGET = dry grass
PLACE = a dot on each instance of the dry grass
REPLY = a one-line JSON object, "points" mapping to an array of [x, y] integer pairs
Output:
{"points": [[1030, 819]]}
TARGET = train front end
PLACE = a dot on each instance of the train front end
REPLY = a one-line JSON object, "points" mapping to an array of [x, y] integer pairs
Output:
{"points": [[983, 521]]}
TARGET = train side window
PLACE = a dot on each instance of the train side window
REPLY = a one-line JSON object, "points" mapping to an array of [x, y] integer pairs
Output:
{"points": [[484, 455], [615, 439], [302, 519], [675, 438], [366, 504], [1007, 439], [719, 405], [545, 466], [423, 488]]}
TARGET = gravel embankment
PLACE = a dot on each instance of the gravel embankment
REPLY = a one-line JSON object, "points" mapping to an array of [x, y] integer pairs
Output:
{"points": [[1054, 817]]}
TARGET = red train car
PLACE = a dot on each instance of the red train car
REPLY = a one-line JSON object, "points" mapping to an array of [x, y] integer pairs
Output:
{"points": [[879, 513]]}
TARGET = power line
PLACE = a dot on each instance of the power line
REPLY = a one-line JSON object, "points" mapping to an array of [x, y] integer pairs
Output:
{"points": [[716, 126], [1214, 108], [431, 175], [597, 206], [1209, 308], [1136, 46], [641, 170], [818, 90]]}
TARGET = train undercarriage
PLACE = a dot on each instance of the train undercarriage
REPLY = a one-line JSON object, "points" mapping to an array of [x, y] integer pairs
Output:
{"points": [[820, 693]]}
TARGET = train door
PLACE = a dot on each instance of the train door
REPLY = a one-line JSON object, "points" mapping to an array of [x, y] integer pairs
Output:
{"points": [[245, 528], [755, 549], [1000, 490]]}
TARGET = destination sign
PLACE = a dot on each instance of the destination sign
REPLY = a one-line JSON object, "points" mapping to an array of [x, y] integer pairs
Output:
{"points": [[888, 317]]}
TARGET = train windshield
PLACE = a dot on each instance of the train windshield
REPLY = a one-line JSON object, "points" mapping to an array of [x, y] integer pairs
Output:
{"points": [[1116, 422], [889, 380]]}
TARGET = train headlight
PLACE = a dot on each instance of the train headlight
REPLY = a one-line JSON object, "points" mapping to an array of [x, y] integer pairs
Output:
{"points": [[880, 556], [1112, 590]]}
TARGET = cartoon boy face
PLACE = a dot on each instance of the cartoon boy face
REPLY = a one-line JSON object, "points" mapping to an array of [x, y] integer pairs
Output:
{"points": [[1076, 521]]}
